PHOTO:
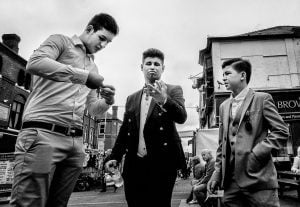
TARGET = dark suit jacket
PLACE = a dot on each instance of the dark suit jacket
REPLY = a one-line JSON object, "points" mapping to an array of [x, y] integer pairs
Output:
{"points": [[254, 168], [164, 149]]}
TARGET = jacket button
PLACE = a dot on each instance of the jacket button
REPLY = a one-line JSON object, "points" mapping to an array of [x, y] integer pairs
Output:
{"points": [[128, 134], [233, 134], [129, 120], [165, 144], [159, 114], [223, 156], [161, 128]]}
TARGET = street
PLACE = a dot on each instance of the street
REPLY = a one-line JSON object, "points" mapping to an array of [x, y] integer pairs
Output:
{"points": [[110, 198]]}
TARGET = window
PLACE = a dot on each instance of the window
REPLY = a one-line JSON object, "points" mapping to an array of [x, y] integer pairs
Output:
{"points": [[21, 78], [101, 128], [86, 135], [16, 115]]}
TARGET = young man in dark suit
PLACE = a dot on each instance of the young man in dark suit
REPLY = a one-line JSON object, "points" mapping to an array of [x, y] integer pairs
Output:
{"points": [[149, 138], [250, 128]]}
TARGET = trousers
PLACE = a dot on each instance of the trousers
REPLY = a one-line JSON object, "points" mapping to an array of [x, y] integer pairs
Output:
{"points": [[47, 166], [148, 186], [236, 197]]}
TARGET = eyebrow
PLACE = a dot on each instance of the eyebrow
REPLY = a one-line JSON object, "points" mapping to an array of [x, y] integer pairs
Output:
{"points": [[104, 37]]}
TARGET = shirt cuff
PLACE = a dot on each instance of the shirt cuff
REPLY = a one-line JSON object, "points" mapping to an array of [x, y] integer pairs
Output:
{"points": [[79, 76]]}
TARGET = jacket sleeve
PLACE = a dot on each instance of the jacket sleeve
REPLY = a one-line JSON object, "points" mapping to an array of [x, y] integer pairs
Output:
{"points": [[121, 143], [278, 130], [175, 105], [208, 172], [216, 176]]}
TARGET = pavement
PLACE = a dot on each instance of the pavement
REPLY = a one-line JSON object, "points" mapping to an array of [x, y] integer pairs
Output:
{"points": [[95, 198]]}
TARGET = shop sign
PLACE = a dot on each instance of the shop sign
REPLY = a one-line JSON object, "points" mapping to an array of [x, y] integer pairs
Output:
{"points": [[6, 172], [4, 112], [288, 105]]}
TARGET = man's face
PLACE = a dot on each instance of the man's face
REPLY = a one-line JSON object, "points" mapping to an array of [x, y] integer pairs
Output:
{"points": [[152, 68], [205, 156], [98, 40], [232, 78]]}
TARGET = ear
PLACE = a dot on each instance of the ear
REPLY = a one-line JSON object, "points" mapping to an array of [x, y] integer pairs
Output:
{"points": [[243, 75], [163, 68], [142, 67], [89, 28]]}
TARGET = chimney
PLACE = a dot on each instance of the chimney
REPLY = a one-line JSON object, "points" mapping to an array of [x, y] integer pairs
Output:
{"points": [[114, 112], [11, 41]]}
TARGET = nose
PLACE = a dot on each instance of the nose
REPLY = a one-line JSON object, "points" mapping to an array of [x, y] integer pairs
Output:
{"points": [[103, 44]]}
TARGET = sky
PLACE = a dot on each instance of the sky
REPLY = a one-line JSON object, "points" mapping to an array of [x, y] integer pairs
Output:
{"points": [[179, 28]]}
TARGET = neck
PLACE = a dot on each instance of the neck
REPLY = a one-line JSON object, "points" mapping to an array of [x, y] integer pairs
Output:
{"points": [[237, 91], [82, 38]]}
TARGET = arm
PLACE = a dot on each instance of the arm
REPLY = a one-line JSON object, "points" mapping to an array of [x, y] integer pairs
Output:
{"points": [[216, 176], [174, 105], [95, 105], [278, 130], [208, 172], [43, 62], [121, 143]]}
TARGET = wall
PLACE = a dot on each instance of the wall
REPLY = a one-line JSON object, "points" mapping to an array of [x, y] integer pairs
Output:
{"points": [[275, 63]]}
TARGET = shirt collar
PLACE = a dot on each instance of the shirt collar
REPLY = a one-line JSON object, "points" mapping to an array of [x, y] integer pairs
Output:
{"points": [[77, 42], [241, 96]]}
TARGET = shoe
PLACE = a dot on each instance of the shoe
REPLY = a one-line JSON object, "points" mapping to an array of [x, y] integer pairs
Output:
{"points": [[193, 202]]}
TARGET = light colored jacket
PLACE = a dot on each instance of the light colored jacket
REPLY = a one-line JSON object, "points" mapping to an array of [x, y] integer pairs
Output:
{"points": [[254, 168]]}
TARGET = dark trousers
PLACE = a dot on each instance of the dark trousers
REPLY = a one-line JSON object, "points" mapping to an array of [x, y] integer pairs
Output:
{"points": [[148, 185]]}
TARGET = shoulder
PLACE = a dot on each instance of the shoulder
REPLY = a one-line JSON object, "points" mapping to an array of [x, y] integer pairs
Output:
{"points": [[262, 95], [58, 39], [225, 102]]}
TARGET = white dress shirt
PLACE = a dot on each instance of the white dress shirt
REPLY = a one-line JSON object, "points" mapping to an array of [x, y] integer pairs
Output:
{"points": [[238, 101], [145, 103]]}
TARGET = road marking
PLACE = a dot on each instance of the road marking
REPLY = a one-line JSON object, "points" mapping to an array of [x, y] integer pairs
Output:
{"points": [[120, 202]]}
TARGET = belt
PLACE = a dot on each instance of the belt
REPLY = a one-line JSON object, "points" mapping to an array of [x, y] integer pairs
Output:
{"points": [[69, 131]]}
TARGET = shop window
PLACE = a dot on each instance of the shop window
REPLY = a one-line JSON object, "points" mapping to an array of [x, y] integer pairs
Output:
{"points": [[16, 113]]}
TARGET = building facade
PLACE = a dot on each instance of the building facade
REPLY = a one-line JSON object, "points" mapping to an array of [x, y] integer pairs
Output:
{"points": [[100, 132], [15, 86], [274, 54]]}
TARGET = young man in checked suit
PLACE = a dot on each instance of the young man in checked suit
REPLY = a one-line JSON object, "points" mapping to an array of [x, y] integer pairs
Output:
{"points": [[250, 128], [149, 138]]}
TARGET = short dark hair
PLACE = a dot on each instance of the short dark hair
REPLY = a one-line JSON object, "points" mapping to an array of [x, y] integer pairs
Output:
{"points": [[105, 21], [152, 52], [239, 65]]}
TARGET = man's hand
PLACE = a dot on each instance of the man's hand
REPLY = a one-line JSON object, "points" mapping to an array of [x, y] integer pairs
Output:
{"points": [[94, 81], [211, 186], [111, 164], [158, 91], [108, 92]]}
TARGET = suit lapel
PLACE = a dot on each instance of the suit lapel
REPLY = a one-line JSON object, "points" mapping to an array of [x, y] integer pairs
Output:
{"points": [[137, 106], [151, 107], [226, 116], [246, 104]]}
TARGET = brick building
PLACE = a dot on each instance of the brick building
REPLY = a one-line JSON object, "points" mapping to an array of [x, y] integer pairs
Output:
{"points": [[14, 89], [100, 132]]}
